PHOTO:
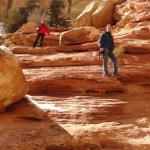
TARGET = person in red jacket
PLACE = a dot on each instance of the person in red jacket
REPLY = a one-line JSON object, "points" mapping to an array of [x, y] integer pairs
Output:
{"points": [[41, 31]]}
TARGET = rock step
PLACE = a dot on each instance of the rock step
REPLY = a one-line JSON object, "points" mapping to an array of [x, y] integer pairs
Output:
{"points": [[81, 79], [92, 46], [75, 59], [59, 59], [28, 39], [131, 46], [81, 109], [52, 39], [93, 109], [84, 79], [133, 73], [134, 46]]}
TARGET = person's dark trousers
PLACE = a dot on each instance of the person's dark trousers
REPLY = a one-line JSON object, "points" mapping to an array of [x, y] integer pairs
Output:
{"points": [[41, 37], [106, 55]]}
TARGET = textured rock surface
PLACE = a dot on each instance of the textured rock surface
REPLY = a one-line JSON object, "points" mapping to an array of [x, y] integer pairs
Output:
{"points": [[79, 35], [91, 111], [133, 26], [80, 80], [133, 18], [133, 11], [98, 13], [12, 89], [85, 18], [103, 14], [28, 39], [26, 126], [28, 28]]}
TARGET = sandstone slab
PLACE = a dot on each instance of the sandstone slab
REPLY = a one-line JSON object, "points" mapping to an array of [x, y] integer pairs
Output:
{"points": [[91, 46], [79, 35], [59, 59], [86, 79]]}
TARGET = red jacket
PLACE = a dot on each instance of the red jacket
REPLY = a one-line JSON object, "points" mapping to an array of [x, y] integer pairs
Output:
{"points": [[43, 29]]}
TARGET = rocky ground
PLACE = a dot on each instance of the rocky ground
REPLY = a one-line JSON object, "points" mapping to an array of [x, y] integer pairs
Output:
{"points": [[72, 106]]}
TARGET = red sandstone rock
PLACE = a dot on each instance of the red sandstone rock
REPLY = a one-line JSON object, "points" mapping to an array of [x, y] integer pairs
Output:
{"points": [[12, 81], [70, 80], [59, 59], [92, 46], [26, 126], [90, 108], [134, 46], [77, 59], [28, 39], [30, 28], [97, 13], [134, 31], [85, 18], [79, 35], [133, 11]]}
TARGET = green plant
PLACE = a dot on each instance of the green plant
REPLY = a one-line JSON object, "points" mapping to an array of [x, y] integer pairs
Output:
{"points": [[118, 50], [55, 14], [32, 5], [17, 17]]}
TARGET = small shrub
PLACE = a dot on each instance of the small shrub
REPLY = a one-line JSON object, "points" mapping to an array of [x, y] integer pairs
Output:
{"points": [[118, 50], [55, 14], [17, 17]]}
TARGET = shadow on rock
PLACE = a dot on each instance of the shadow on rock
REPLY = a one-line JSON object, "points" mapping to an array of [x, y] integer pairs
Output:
{"points": [[25, 126]]}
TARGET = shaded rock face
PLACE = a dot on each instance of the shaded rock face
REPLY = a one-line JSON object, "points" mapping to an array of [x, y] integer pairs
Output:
{"points": [[103, 14], [85, 18], [98, 13], [25, 122], [12, 82]]}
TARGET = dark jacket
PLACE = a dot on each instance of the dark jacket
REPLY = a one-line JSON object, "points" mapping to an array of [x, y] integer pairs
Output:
{"points": [[106, 41]]}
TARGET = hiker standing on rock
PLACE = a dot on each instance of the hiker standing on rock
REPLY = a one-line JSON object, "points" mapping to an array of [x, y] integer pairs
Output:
{"points": [[106, 44], [41, 31]]}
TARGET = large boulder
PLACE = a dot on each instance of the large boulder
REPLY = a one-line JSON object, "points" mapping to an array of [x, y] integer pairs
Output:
{"points": [[98, 13], [85, 18], [13, 86], [103, 14], [79, 35]]}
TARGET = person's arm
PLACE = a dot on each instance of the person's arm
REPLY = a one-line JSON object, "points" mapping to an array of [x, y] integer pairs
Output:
{"points": [[113, 42], [38, 28], [101, 42], [47, 30]]}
